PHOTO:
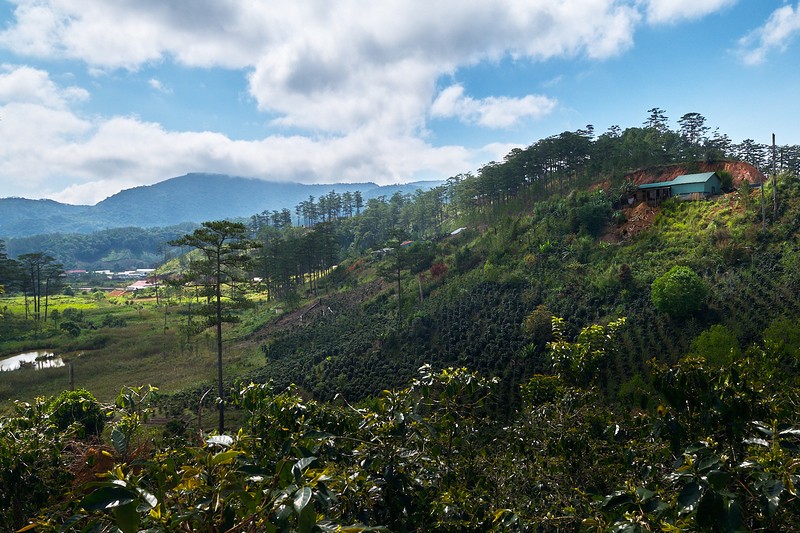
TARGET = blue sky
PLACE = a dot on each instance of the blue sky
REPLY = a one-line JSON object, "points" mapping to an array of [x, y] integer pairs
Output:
{"points": [[99, 96]]}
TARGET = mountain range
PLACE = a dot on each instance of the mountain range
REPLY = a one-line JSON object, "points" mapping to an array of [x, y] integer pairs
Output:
{"points": [[190, 198]]}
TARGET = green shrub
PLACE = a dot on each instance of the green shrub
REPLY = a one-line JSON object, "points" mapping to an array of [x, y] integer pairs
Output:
{"points": [[79, 406], [679, 293], [590, 213], [718, 345], [538, 325]]}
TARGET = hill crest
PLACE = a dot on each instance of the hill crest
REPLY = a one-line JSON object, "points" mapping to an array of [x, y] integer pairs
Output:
{"points": [[194, 197]]}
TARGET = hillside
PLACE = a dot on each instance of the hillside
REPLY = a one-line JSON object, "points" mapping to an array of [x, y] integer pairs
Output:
{"points": [[498, 274], [455, 396], [21, 216], [190, 198], [519, 350]]}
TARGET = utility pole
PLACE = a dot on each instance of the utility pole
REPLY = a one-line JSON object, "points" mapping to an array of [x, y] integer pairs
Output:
{"points": [[763, 208], [774, 182]]}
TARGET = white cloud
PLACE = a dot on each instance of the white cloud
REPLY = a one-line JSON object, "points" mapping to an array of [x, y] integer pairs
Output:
{"points": [[671, 11], [137, 153], [325, 66], [777, 33], [492, 112], [379, 62], [91, 192], [48, 151], [158, 86], [23, 84], [498, 151]]}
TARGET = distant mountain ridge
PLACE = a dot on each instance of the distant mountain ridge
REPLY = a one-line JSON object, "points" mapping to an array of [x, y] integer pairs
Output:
{"points": [[193, 197]]}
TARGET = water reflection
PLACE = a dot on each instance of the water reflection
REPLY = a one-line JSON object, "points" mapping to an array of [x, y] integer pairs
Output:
{"points": [[31, 360]]}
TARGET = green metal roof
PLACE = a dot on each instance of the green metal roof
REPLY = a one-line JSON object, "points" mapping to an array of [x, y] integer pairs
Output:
{"points": [[692, 178], [656, 185], [680, 180]]}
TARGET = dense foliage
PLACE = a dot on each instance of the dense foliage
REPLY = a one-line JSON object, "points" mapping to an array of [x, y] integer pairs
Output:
{"points": [[718, 454]]}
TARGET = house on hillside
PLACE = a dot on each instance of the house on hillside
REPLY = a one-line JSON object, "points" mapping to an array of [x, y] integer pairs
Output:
{"points": [[686, 187]]}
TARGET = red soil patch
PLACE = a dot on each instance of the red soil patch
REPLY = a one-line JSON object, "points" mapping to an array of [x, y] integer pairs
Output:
{"points": [[740, 171], [638, 218]]}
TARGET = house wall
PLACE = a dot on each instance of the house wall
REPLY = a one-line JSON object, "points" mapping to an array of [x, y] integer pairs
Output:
{"points": [[687, 189], [709, 187]]}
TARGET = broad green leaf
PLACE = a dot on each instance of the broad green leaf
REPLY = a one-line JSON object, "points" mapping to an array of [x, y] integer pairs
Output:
{"points": [[689, 496], [119, 441], [707, 463], [127, 518], [303, 463], [283, 513], [307, 519], [772, 492], [717, 479], [655, 505], [284, 471], [763, 428], [316, 434], [108, 497], [149, 502], [710, 511], [733, 517], [696, 447], [301, 499], [644, 494], [616, 499], [224, 457], [300, 466]]}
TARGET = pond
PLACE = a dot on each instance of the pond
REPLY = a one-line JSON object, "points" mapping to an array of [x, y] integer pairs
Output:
{"points": [[36, 360]]}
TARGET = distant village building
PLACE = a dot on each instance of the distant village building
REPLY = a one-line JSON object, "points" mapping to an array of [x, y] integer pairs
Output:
{"points": [[139, 285], [686, 187]]}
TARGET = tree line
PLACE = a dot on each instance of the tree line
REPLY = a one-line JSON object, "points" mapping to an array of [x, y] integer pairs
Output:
{"points": [[559, 163], [116, 248], [37, 275], [553, 165]]}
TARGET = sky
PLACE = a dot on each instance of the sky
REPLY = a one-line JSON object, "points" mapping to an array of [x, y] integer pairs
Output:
{"points": [[97, 96]]}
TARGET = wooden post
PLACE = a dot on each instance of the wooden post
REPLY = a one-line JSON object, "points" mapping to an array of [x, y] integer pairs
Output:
{"points": [[200, 412], [71, 376]]}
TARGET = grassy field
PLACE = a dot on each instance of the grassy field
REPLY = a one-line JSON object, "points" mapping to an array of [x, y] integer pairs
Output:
{"points": [[123, 342]]}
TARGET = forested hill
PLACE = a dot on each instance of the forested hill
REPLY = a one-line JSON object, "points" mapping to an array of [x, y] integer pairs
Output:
{"points": [[189, 198]]}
